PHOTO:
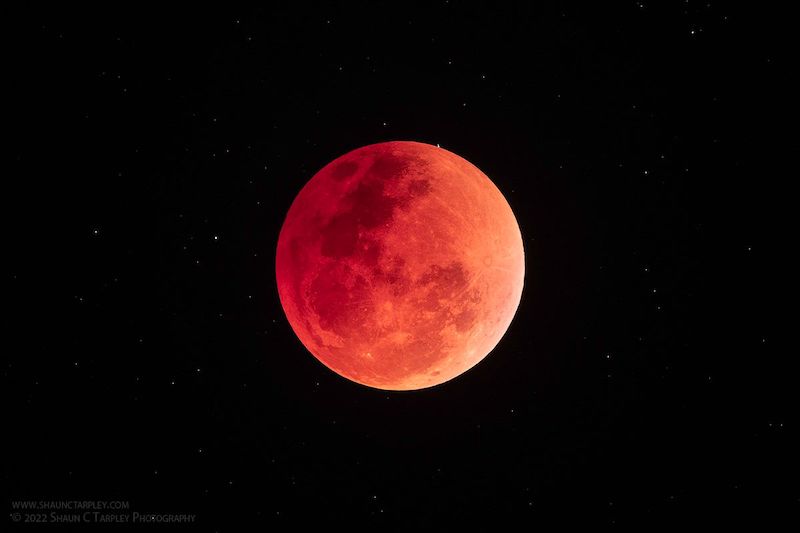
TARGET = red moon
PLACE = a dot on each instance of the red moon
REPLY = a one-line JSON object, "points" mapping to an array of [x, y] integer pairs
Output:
{"points": [[400, 265]]}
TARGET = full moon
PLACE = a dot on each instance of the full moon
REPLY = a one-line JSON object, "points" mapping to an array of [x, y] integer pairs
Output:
{"points": [[400, 265]]}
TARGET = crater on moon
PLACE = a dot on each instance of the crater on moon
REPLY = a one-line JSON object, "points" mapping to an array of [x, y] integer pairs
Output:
{"points": [[400, 265]]}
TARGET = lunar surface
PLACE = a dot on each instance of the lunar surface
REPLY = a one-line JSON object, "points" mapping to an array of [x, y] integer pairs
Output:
{"points": [[400, 265]]}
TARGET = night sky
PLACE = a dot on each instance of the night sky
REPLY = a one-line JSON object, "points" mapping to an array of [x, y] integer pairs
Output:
{"points": [[154, 154]]}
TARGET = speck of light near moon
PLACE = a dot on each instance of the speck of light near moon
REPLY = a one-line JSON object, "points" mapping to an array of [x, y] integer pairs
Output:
{"points": [[400, 265]]}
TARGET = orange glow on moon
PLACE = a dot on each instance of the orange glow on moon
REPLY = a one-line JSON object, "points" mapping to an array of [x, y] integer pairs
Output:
{"points": [[400, 265]]}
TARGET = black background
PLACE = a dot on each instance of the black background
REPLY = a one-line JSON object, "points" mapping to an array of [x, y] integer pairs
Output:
{"points": [[154, 154]]}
